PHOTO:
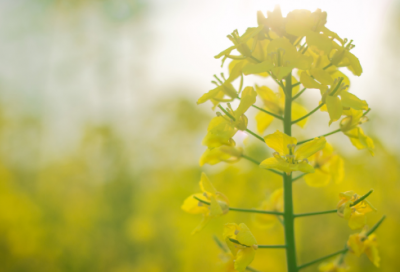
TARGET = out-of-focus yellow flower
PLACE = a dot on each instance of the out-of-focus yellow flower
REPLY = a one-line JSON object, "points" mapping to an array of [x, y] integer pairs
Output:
{"points": [[328, 167], [343, 58], [223, 153], [287, 158], [273, 203], [333, 267], [222, 128], [354, 214], [360, 243], [245, 251], [336, 97], [275, 103], [218, 203], [350, 127]]}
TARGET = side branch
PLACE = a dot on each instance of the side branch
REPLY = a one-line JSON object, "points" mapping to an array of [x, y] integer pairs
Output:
{"points": [[258, 163], [308, 114], [314, 213], [298, 94], [343, 251], [242, 210], [248, 130], [324, 135], [259, 246]]}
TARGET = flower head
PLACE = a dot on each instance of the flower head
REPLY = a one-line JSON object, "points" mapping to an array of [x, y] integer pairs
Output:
{"points": [[244, 247], [218, 203], [273, 203], [350, 127], [361, 243], [355, 214], [287, 158], [328, 167]]}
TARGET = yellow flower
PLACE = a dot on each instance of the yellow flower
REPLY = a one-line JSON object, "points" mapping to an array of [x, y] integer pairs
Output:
{"points": [[218, 203], [333, 266], [328, 167], [336, 97], [275, 103], [343, 58], [360, 243], [217, 94], [243, 252], [350, 127], [354, 214], [287, 158], [222, 128], [273, 203], [223, 153]]}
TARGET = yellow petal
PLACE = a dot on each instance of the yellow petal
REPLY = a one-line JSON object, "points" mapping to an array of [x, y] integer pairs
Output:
{"points": [[273, 163], [270, 99], [235, 69], [229, 230], [310, 148], [247, 100], [355, 65], [211, 94], [220, 132], [357, 221], [308, 82], [245, 236], [263, 121], [299, 111], [244, 257], [317, 179], [191, 205], [303, 167], [336, 169], [319, 41], [322, 76], [222, 153], [257, 68], [279, 142], [352, 101], [215, 208], [371, 250], [206, 185], [281, 72], [356, 245], [335, 108]]}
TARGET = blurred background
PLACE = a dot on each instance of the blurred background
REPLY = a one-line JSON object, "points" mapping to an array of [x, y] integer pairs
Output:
{"points": [[100, 135]]}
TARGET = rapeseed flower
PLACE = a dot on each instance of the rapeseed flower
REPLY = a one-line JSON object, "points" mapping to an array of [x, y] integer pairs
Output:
{"points": [[218, 203], [244, 247], [287, 158], [355, 214], [361, 243]]}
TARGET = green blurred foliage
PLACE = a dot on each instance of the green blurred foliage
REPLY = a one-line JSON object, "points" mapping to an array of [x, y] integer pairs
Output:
{"points": [[98, 207]]}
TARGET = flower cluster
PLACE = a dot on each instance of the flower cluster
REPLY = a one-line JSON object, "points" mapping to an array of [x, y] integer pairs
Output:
{"points": [[298, 52]]}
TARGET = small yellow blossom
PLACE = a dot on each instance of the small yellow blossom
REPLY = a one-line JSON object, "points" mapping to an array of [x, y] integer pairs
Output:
{"points": [[222, 128], [287, 158], [217, 207], [350, 127], [333, 266], [223, 153], [275, 103], [273, 203], [354, 214], [360, 243], [244, 250], [328, 167]]}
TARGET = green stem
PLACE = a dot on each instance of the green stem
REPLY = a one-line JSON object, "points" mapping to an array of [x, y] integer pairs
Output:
{"points": [[296, 84], [299, 177], [259, 246], [361, 198], [314, 213], [268, 112], [376, 226], [287, 185], [324, 135], [258, 163], [248, 130], [308, 114], [242, 210], [323, 258], [298, 94], [255, 135], [326, 67]]}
